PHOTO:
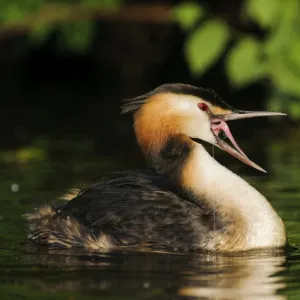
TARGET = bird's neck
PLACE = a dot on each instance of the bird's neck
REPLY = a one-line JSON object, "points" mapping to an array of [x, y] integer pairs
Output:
{"points": [[254, 222]]}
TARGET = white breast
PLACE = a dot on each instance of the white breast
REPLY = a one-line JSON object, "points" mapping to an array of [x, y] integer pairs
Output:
{"points": [[264, 228]]}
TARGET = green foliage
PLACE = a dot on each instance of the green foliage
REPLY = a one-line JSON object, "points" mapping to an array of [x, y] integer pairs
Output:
{"points": [[263, 12], [285, 78], [72, 18], [188, 14], [275, 58], [15, 11], [205, 45], [244, 64]]}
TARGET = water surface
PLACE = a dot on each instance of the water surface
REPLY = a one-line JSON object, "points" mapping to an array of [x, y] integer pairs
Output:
{"points": [[30, 273]]}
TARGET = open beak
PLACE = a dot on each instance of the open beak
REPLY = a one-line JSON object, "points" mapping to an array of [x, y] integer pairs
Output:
{"points": [[218, 124]]}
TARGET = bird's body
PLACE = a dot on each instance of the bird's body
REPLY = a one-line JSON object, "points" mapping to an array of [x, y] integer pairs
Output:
{"points": [[187, 200]]}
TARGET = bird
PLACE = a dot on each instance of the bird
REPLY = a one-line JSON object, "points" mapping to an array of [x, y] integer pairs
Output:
{"points": [[184, 200]]}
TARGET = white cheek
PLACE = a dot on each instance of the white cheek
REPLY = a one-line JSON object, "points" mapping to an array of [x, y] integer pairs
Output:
{"points": [[183, 106], [199, 127], [195, 123]]}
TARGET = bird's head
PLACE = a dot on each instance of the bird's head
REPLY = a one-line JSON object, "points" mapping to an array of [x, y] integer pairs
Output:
{"points": [[183, 113]]}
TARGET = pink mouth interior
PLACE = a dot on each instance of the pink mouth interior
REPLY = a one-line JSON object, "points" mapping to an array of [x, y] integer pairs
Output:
{"points": [[218, 125]]}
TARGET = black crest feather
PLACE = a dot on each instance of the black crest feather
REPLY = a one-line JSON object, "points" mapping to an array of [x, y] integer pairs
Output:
{"points": [[133, 104]]}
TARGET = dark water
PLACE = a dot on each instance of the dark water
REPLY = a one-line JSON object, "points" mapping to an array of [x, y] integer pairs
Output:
{"points": [[32, 177]]}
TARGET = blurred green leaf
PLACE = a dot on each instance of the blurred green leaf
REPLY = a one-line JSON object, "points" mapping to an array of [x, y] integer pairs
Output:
{"points": [[15, 11], [187, 14], [294, 52], [284, 32], [277, 39], [205, 45], [284, 78], [40, 17], [264, 12], [12, 13], [243, 63]]}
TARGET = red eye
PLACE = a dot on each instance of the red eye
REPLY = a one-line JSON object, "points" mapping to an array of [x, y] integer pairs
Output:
{"points": [[203, 106]]}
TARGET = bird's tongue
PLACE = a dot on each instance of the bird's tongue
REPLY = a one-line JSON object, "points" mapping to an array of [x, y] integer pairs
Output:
{"points": [[219, 125]]}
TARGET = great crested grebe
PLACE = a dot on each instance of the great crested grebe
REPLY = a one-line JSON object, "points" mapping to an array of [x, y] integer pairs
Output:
{"points": [[186, 201]]}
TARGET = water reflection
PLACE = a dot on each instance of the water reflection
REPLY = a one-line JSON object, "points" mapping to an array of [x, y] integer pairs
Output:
{"points": [[249, 277], [200, 276], [37, 273]]}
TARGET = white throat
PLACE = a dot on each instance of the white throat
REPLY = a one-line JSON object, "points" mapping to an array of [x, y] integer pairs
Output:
{"points": [[230, 193]]}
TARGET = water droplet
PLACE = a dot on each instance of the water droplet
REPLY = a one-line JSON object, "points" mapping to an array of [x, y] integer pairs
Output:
{"points": [[14, 187]]}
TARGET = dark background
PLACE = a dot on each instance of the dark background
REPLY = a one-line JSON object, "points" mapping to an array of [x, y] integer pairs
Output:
{"points": [[51, 92]]}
